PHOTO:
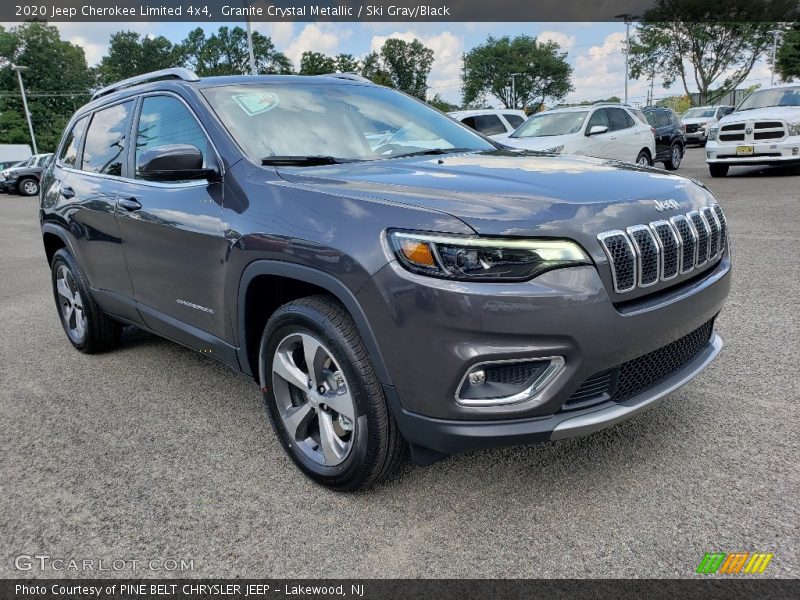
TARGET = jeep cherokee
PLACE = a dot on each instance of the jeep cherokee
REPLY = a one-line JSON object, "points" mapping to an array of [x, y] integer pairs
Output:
{"points": [[432, 291]]}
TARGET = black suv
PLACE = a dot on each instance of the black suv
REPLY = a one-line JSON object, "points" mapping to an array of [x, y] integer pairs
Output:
{"points": [[670, 136], [430, 290]]}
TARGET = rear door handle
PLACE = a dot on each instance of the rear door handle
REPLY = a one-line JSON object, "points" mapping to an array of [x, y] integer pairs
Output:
{"points": [[67, 192], [129, 204]]}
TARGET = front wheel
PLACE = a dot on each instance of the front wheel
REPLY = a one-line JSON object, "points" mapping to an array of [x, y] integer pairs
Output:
{"points": [[718, 170], [323, 398], [675, 157], [643, 159], [28, 187]]}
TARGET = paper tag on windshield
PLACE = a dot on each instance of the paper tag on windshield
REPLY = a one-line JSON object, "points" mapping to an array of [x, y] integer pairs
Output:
{"points": [[255, 104]]}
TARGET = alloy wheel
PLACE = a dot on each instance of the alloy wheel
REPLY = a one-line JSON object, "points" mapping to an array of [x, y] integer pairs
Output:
{"points": [[313, 399], [676, 156], [69, 300], [643, 160], [30, 187]]}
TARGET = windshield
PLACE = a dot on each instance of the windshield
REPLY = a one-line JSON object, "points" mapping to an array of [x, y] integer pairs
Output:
{"points": [[699, 113], [342, 122], [547, 124], [773, 97]]}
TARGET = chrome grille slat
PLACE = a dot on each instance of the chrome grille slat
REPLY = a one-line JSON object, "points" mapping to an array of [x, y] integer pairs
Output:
{"points": [[643, 255]]}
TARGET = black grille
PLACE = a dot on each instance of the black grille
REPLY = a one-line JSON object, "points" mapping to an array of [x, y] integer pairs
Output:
{"points": [[648, 255], [688, 242], [623, 260], [723, 227], [734, 127], [593, 391], [768, 125], [731, 137], [692, 128], [513, 374], [713, 243], [768, 135], [702, 238], [649, 370], [669, 249]]}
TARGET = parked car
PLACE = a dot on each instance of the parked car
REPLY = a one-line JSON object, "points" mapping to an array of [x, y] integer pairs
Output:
{"points": [[601, 130], [492, 123], [764, 130], [699, 120], [24, 179], [670, 139], [440, 299], [11, 154]]}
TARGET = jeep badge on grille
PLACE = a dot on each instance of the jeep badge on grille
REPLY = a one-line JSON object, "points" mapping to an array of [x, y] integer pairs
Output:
{"points": [[662, 205]]}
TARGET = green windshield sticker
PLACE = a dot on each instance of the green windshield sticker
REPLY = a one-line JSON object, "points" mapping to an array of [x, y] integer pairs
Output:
{"points": [[255, 104]]}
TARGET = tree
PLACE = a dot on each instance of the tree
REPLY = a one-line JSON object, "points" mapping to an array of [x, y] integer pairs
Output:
{"points": [[347, 63], [544, 73], [130, 55], [316, 63], [787, 62], [57, 82], [714, 45], [443, 105], [408, 65], [372, 68], [225, 53]]}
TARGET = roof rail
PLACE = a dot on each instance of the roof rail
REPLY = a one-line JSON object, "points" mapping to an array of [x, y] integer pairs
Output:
{"points": [[174, 73], [348, 76]]}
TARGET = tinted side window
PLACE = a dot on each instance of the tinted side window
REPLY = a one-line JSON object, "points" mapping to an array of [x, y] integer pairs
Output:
{"points": [[103, 151], [661, 119], [514, 120], [651, 118], [599, 117], [470, 122], [69, 152], [619, 119], [490, 124], [165, 120]]}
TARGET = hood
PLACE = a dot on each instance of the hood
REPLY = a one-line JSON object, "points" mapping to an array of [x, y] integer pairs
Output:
{"points": [[539, 143], [697, 120], [786, 113], [505, 193]]}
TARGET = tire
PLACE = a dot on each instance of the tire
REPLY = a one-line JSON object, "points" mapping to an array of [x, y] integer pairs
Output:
{"points": [[344, 454], [643, 159], [718, 170], [28, 187], [87, 328], [675, 157]]}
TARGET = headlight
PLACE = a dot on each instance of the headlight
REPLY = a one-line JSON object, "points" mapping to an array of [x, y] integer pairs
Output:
{"points": [[712, 133], [794, 128], [483, 259], [555, 150]]}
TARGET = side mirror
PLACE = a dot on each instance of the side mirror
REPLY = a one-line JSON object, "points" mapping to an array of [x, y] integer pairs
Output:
{"points": [[174, 162], [595, 129]]}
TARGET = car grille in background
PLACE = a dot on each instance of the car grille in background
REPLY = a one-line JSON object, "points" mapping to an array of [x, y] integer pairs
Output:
{"points": [[646, 254], [640, 374], [762, 130], [692, 128]]}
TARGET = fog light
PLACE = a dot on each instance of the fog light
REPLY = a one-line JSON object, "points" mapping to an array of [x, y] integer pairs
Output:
{"points": [[794, 151], [708, 154], [507, 382]]}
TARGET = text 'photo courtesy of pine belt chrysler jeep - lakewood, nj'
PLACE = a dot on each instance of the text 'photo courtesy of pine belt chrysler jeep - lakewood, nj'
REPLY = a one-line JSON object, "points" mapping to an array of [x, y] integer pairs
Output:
{"points": [[431, 293]]}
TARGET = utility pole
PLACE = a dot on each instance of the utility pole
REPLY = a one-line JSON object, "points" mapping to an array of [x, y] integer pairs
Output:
{"points": [[775, 33], [628, 18], [514, 88], [19, 69]]}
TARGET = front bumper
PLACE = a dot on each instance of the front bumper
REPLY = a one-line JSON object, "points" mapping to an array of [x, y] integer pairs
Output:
{"points": [[696, 136], [784, 152], [431, 332], [8, 185]]}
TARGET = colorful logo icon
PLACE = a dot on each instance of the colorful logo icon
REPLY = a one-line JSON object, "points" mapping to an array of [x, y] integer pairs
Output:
{"points": [[734, 563]]}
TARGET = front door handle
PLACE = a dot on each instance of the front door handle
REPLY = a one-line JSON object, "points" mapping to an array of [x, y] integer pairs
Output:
{"points": [[130, 204], [67, 192]]}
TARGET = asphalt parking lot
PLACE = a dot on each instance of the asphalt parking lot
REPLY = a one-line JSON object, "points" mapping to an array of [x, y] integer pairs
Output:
{"points": [[156, 452]]}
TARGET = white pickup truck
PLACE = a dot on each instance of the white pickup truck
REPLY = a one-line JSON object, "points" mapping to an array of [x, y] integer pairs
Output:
{"points": [[764, 130]]}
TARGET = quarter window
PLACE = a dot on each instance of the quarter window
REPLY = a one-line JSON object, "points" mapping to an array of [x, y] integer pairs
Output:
{"points": [[619, 119], [514, 120], [165, 121], [104, 149], [69, 153], [490, 125]]}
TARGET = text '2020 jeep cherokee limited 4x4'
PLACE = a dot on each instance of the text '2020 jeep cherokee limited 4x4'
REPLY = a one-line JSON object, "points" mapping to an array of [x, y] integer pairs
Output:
{"points": [[386, 295]]}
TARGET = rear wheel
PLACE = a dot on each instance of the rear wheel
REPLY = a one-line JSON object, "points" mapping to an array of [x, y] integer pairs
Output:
{"points": [[323, 398], [675, 157], [643, 159], [28, 187], [718, 170]]}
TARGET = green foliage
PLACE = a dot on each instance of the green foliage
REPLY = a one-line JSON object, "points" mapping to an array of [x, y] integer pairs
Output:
{"points": [[57, 82], [346, 63], [225, 53], [130, 55], [443, 105], [316, 63], [788, 56], [408, 65], [543, 68], [710, 44], [372, 68], [678, 104]]}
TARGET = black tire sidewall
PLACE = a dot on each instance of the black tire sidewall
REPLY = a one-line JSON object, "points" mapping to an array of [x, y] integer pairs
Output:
{"points": [[299, 319], [645, 154], [64, 258], [21, 187]]}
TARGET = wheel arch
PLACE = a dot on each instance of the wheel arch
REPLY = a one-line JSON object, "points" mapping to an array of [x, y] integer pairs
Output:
{"points": [[55, 238], [306, 281]]}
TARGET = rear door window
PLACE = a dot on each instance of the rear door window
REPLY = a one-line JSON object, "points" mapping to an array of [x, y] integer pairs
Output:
{"points": [[661, 119], [490, 124], [514, 120], [470, 122], [619, 119], [104, 149]]}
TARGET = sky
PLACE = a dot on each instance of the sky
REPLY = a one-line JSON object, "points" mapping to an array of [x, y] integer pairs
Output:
{"points": [[594, 49]]}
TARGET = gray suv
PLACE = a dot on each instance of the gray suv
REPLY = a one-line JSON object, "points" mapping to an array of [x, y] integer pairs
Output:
{"points": [[393, 280]]}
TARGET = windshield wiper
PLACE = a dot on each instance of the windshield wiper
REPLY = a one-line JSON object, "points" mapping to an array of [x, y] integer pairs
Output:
{"points": [[302, 161], [433, 151]]}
